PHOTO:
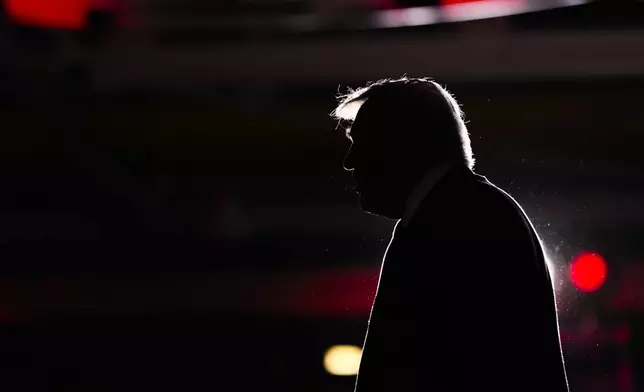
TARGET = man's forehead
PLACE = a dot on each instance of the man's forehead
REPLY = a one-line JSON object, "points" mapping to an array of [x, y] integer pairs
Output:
{"points": [[371, 113]]}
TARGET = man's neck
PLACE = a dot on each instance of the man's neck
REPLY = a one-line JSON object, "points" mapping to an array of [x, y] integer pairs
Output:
{"points": [[422, 189]]}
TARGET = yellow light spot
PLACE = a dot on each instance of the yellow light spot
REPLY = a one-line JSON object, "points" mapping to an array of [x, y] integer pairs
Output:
{"points": [[343, 360]]}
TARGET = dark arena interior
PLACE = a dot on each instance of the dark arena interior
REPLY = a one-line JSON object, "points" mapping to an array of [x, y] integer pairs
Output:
{"points": [[174, 211]]}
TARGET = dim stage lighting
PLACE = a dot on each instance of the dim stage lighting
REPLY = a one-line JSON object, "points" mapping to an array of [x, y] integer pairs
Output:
{"points": [[342, 360], [588, 271], [64, 14]]}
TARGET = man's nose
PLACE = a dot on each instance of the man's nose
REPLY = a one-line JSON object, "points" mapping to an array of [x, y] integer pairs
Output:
{"points": [[348, 160]]}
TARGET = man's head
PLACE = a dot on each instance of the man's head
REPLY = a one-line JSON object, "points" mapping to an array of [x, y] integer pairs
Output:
{"points": [[399, 130]]}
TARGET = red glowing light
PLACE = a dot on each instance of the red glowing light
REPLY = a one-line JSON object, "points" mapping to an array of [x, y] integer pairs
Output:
{"points": [[66, 14], [588, 271], [450, 2], [499, 3]]}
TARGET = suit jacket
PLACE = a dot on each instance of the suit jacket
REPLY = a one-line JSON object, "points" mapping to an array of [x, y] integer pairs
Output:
{"points": [[465, 301]]}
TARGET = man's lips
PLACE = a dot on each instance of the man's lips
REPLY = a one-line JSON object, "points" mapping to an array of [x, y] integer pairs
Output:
{"points": [[358, 180]]}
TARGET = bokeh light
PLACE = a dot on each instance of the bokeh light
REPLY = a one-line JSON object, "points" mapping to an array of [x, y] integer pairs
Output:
{"points": [[343, 360], [65, 14], [588, 271]]}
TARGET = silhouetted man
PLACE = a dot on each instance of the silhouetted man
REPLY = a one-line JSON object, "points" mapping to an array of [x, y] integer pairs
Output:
{"points": [[465, 301]]}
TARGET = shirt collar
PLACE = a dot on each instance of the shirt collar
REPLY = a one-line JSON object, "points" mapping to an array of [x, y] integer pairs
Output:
{"points": [[422, 189]]}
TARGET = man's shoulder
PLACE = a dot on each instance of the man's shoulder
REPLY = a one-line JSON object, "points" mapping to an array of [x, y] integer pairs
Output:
{"points": [[486, 191], [491, 199], [476, 192], [469, 204]]}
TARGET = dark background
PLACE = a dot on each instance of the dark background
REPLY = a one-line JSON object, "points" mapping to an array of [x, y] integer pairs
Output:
{"points": [[175, 215]]}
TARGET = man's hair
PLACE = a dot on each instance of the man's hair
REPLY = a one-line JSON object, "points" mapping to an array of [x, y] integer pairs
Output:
{"points": [[431, 106]]}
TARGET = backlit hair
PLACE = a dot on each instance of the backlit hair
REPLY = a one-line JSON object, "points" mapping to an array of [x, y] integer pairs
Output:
{"points": [[420, 94]]}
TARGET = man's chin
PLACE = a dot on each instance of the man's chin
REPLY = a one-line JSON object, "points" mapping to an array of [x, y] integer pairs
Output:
{"points": [[379, 208]]}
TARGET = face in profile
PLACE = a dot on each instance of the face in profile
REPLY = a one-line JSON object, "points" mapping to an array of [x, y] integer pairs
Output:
{"points": [[376, 165]]}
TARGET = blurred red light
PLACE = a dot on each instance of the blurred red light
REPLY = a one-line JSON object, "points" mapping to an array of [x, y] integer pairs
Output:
{"points": [[499, 3], [65, 14], [588, 271], [450, 2]]}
